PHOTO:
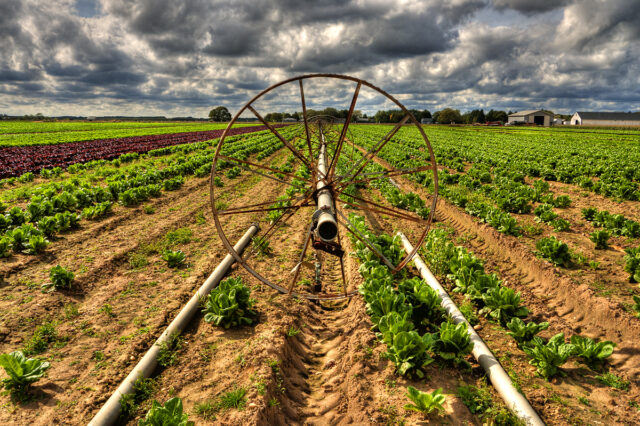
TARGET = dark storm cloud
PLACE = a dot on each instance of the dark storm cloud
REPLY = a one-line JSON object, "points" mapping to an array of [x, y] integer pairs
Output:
{"points": [[530, 7], [187, 55]]}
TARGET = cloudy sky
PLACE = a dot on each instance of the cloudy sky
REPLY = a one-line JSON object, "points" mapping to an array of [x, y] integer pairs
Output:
{"points": [[178, 58]]}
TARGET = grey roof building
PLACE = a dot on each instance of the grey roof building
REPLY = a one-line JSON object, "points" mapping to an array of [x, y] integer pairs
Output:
{"points": [[606, 118], [534, 116]]}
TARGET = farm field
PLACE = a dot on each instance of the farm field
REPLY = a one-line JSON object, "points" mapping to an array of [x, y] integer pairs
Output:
{"points": [[551, 214], [19, 133]]}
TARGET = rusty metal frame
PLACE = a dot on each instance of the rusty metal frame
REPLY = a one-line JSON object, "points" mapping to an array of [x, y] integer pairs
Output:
{"points": [[309, 162]]}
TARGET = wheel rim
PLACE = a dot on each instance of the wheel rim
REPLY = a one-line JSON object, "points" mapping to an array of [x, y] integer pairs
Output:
{"points": [[306, 155]]}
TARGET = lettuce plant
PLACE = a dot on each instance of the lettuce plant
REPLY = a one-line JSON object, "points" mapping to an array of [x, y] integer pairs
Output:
{"points": [[60, 277], [5, 246], [385, 300], [392, 324], [174, 259], [22, 371], [425, 402], [600, 238], [169, 414], [523, 332], [550, 356], [632, 266], [230, 304], [426, 303], [591, 352], [554, 250], [408, 351], [452, 342], [502, 304]]}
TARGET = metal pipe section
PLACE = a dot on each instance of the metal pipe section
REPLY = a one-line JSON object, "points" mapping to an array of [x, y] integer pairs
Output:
{"points": [[110, 411], [515, 401], [326, 225]]}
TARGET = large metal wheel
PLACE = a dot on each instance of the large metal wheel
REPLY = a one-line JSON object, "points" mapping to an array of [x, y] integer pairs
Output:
{"points": [[300, 247]]}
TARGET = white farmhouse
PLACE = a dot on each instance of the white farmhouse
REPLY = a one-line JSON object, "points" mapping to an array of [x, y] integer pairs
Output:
{"points": [[537, 116], [606, 118]]}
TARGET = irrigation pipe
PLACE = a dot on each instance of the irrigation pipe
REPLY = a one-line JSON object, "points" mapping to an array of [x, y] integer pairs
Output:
{"points": [[110, 411], [515, 401]]}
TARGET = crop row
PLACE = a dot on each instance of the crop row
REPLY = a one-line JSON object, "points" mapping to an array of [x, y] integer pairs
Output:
{"points": [[18, 160], [100, 131], [23, 127], [401, 309], [59, 206]]}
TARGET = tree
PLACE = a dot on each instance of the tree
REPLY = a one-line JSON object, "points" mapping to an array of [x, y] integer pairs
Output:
{"points": [[220, 114], [449, 115], [475, 116], [495, 115]]}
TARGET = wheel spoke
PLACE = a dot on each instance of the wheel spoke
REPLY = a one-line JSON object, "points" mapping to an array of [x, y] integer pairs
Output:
{"points": [[304, 199], [302, 254], [356, 233], [261, 166], [279, 136], [382, 174], [380, 208], [255, 210], [343, 133], [304, 118], [376, 148]]}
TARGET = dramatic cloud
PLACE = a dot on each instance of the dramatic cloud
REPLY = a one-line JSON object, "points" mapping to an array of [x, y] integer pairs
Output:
{"points": [[165, 57]]}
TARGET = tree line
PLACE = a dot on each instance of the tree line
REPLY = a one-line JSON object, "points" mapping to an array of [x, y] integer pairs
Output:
{"points": [[444, 116]]}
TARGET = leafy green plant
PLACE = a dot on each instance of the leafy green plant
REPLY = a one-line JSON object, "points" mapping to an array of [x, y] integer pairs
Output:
{"points": [[426, 302], [60, 277], [392, 324], [230, 304], [523, 332], [554, 250], [592, 353], [235, 398], [261, 245], [168, 354], [36, 244], [600, 238], [589, 213], [544, 213], [22, 371], [169, 414], [292, 332], [383, 300], [636, 306], [175, 259], [43, 336], [408, 351], [477, 399], [502, 304], [452, 343], [560, 224], [632, 265], [425, 402], [613, 381], [48, 226], [5, 246], [550, 356], [467, 309]]}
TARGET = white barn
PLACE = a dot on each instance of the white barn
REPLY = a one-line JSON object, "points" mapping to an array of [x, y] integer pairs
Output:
{"points": [[606, 118], [534, 116]]}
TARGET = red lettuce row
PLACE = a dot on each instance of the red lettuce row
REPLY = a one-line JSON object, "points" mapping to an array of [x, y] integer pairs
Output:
{"points": [[17, 160]]}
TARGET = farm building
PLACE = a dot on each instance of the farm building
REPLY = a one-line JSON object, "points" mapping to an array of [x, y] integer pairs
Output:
{"points": [[538, 117], [606, 118]]}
